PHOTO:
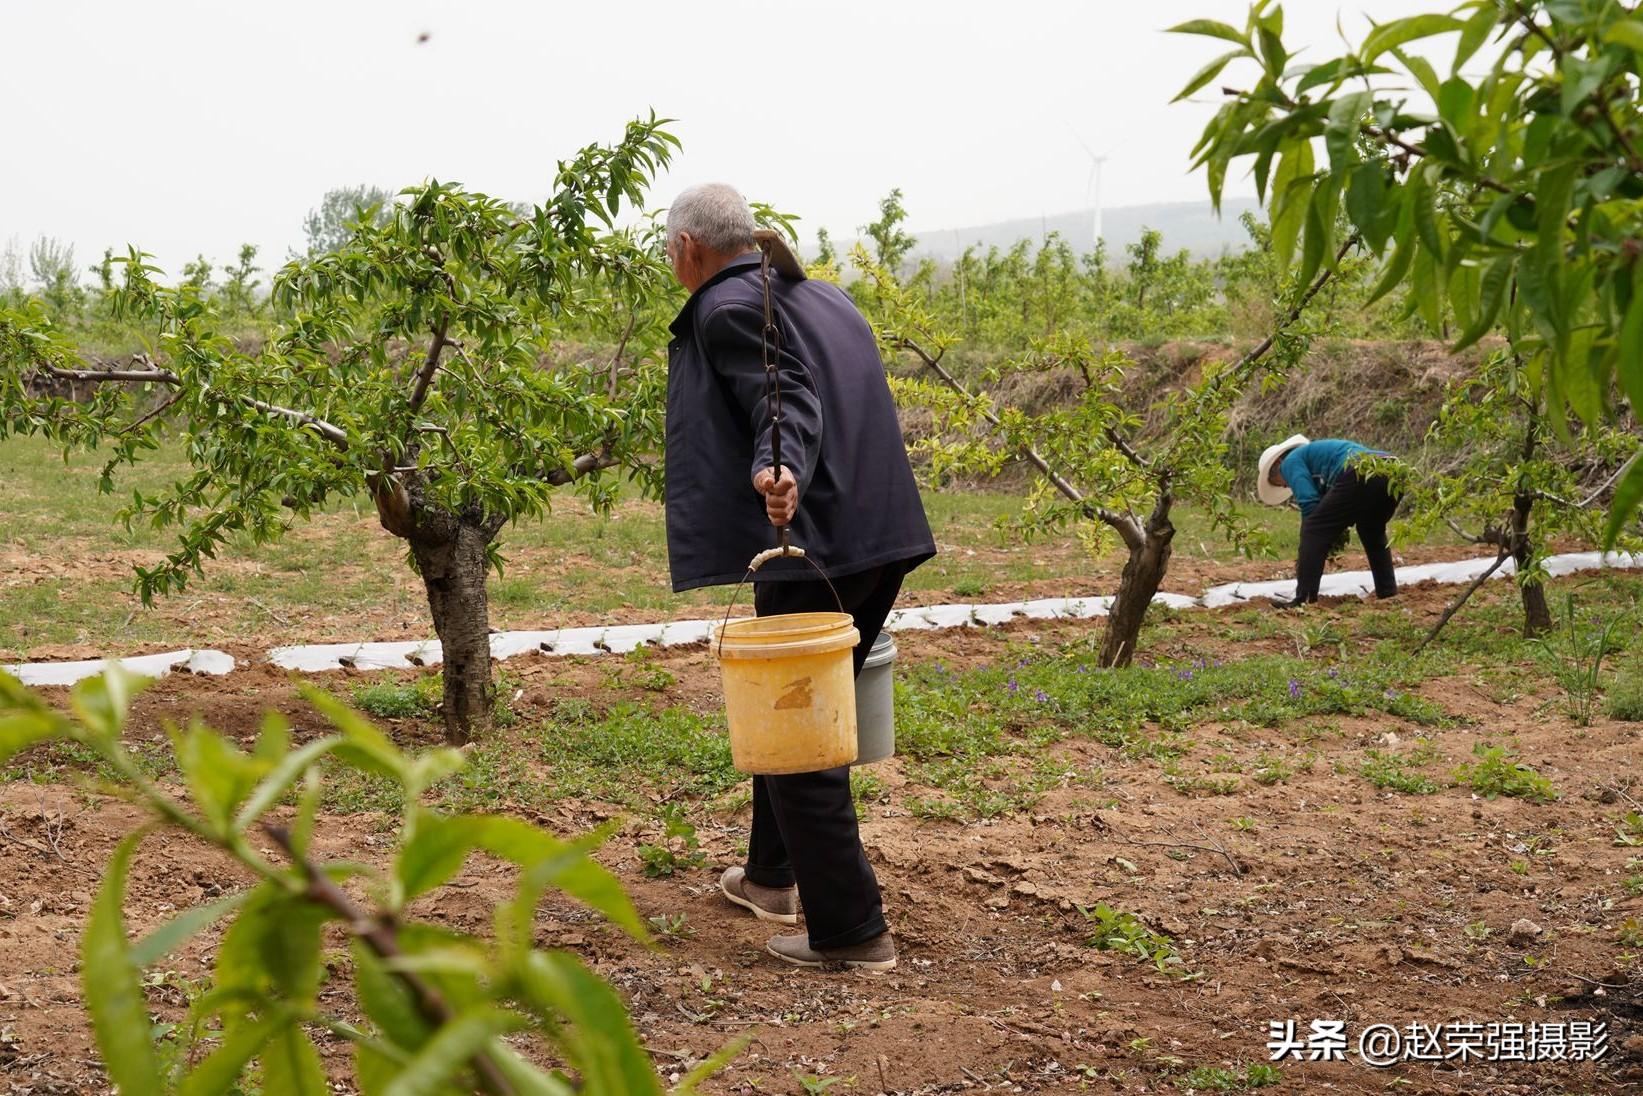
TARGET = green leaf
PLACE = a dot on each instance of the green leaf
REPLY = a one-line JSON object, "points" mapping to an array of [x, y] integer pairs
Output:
{"points": [[1290, 191], [171, 935], [102, 702], [274, 944], [1628, 495], [1341, 135], [224, 1065], [1424, 209], [1474, 34], [1575, 374], [1631, 352], [715, 1062], [1422, 70], [1211, 29], [603, 1048], [1208, 73], [109, 978], [436, 851], [20, 730], [1315, 242], [1455, 103], [1491, 295], [218, 774], [1402, 31], [1366, 203], [365, 748], [1393, 274], [1581, 77], [447, 1054], [1626, 31], [291, 1065], [387, 1001], [277, 782]]}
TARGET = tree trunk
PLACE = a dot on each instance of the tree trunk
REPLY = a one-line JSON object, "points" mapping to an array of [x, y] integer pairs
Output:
{"points": [[453, 571], [1537, 618], [449, 549], [1143, 573]]}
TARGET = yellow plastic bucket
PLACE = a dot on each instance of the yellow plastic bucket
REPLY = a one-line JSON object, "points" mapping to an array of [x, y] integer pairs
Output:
{"points": [[790, 692]]}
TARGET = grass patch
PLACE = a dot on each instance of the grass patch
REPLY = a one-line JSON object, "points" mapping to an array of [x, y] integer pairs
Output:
{"points": [[1116, 930], [1222, 1079], [1392, 771], [1495, 774]]}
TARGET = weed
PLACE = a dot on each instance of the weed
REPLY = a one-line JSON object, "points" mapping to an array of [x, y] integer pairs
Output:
{"points": [[1494, 774], [1574, 655], [672, 926], [1116, 930], [1478, 930], [1630, 933], [1220, 1079], [1390, 772], [1625, 701], [969, 587], [1628, 831], [812, 1085], [679, 850], [418, 699]]}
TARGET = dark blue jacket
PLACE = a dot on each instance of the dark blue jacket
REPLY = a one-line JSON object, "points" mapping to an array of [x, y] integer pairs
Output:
{"points": [[1311, 469], [859, 506]]}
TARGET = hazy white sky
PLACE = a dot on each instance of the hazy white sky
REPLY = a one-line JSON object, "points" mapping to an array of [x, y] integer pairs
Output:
{"points": [[188, 126]]}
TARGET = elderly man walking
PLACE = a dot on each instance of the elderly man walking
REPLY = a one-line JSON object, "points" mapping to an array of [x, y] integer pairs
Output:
{"points": [[846, 490]]}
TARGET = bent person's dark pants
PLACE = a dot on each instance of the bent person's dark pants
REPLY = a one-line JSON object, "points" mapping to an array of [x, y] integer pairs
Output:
{"points": [[804, 825], [1367, 504]]}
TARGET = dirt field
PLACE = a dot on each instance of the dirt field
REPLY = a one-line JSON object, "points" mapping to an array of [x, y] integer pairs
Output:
{"points": [[1291, 886]]}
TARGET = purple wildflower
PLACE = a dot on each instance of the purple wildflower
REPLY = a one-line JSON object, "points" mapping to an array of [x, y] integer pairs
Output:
{"points": [[1294, 689], [1042, 697], [1012, 686]]}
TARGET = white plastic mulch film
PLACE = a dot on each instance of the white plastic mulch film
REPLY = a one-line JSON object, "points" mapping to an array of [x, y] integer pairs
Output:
{"points": [[621, 638]]}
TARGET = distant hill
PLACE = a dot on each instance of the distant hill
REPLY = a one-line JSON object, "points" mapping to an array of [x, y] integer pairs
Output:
{"points": [[1192, 225]]}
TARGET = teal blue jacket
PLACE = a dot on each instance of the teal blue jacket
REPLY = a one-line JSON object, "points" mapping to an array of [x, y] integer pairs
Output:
{"points": [[1311, 469]]}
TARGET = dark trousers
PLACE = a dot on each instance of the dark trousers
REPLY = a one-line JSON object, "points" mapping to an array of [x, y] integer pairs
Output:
{"points": [[804, 824], [1365, 503]]}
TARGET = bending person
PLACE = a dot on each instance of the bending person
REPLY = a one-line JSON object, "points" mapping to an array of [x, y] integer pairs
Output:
{"points": [[846, 488], [1333, 498]]}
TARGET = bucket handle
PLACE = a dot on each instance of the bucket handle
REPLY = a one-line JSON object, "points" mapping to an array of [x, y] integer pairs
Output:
{"points": [[764, 557]]}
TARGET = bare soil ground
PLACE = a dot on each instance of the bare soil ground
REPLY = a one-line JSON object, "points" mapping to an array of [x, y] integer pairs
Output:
{"points": [[1313, 897]]}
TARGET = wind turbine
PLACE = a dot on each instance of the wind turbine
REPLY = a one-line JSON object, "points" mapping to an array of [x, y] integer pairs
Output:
{"points": [[1092, 185]]}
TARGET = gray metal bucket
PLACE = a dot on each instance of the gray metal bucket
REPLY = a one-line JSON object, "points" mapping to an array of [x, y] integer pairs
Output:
{"points": [[875, 703]]}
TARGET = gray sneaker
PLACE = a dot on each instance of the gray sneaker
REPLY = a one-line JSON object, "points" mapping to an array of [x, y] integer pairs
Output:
{"points": [[778, 904], [879, 953]]}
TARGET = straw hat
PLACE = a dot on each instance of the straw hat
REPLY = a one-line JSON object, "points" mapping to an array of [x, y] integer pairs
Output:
{"points": [[782, 259], [1268, 492]]}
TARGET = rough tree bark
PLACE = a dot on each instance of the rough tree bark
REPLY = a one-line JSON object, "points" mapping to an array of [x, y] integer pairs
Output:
{"points": [[449, 550], [1150, 546], [1537, 618]]}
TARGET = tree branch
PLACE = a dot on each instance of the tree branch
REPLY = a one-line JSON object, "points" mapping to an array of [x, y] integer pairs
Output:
{"points": [[1127, 449], [328, 431], [127, 376], [334, 434], [1454, 606], [582, 466], [382, 938], [430, 364]]}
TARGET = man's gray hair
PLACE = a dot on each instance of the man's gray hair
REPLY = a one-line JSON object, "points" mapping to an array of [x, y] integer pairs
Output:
{"points": [[716, 216]]}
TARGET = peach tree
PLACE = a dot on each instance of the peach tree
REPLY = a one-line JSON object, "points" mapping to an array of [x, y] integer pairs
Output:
{"points": [[414, 363], [1101, 469], [438, 1010], [1505, 194]]}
